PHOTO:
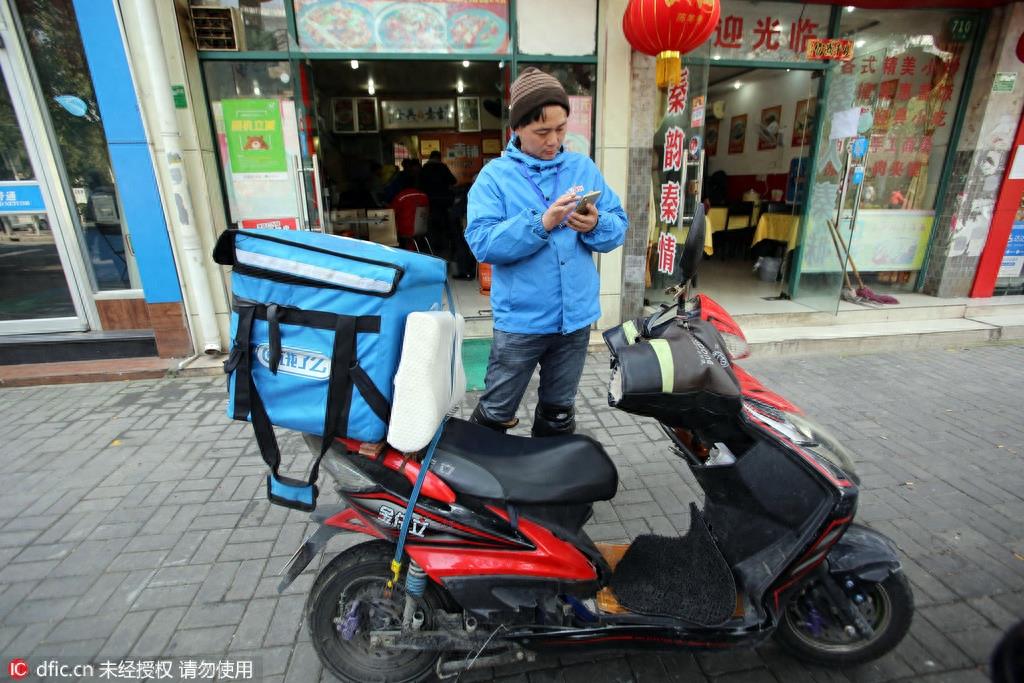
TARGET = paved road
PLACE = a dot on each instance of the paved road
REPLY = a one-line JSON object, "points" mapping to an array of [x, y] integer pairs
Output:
{"points": [[134, 525]]}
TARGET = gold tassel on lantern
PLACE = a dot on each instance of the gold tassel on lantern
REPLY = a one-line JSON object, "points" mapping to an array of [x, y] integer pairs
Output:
{"points": [[668, 68]]}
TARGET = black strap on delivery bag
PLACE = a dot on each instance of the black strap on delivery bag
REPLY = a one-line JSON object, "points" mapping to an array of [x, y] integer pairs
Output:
{"points": [[344, 375]]}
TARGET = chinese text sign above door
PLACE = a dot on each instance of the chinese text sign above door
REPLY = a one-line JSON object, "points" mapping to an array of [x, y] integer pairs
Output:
{"points": [[768, 31]]}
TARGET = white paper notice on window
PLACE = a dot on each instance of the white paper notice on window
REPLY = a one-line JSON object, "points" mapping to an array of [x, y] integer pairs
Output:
{"points": [[1017, 169], [844, 124]]}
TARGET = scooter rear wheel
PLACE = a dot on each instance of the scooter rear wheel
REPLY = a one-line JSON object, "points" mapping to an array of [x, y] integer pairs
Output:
{"points": [[360, 573], [815, 636]]}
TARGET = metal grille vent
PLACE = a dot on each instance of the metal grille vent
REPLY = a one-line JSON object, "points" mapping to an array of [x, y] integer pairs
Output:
{"points": [[217, 28]]}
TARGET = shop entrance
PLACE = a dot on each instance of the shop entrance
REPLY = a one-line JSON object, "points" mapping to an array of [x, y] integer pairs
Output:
{"points": [[399, 143], [759, 131]]}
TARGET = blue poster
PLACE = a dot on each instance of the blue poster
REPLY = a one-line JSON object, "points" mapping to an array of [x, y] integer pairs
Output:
{"points": [[21, 198], [1012, 264]]}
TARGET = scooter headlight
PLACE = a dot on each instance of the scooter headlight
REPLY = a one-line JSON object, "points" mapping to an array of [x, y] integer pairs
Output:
{"points": [[824, 443]]}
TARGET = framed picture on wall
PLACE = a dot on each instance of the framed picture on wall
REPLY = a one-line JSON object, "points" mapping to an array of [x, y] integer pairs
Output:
{"points": [[366, 115], [469, 114], [737, 134], [343, 114], [417, 114], [803, 122], [769, 127], [711, 125]]}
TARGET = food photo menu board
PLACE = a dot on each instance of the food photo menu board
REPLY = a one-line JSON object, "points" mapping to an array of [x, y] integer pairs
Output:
{"points": [[429, 26]]}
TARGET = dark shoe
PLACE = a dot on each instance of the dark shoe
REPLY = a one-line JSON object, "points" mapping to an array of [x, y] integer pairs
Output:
{"points": [[479, 418], [549, 420]]}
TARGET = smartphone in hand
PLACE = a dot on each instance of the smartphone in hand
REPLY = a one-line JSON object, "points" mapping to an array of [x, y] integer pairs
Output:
{"points": [[581, 206]]}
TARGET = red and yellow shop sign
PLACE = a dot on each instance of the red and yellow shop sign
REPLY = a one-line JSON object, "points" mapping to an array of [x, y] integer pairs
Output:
{"points": [[830, 48]]}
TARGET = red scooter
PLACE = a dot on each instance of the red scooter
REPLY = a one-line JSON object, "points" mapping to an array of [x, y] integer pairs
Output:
{"points": [[498, 566]]}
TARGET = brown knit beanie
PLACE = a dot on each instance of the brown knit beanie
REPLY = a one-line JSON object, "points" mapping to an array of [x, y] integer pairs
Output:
{"points": [[533, 89]]}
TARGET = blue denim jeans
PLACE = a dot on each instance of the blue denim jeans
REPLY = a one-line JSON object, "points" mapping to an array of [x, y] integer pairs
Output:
{"points": [[513, 359]]}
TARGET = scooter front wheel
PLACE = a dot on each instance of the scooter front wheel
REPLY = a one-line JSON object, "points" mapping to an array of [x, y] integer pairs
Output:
{"points": [[347, 601], [813, 633]]}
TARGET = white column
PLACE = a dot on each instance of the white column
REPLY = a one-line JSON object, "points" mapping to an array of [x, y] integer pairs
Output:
{"points": [[200, 279], [612, 143]]}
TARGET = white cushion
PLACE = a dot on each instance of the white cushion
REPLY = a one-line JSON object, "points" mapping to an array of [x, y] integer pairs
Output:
{"points": [[424, 391]]}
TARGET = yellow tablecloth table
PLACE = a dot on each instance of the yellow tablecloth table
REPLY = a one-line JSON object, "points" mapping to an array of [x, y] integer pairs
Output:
{"points": [[781, 227], [716, 219], [712, 224], [680, 235]]}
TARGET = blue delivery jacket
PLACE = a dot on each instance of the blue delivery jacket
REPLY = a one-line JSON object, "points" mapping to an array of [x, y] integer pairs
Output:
{"points": [[541, 282]]}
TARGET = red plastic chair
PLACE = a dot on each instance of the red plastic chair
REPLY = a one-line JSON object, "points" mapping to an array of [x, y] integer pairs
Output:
{"points": [[412, 209]]}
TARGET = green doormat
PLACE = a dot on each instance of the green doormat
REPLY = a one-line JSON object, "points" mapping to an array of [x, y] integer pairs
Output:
{"points": [[475, 353]]}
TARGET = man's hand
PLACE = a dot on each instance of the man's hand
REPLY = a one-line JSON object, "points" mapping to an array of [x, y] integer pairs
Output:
{"points": [[557, 212], [584, 222]]}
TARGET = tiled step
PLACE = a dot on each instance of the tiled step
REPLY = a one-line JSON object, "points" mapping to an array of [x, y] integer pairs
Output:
{"points": [[479, 327], [870, 337], [1011, 327], [990, 309], [76, 346], [850, 316], [83, 371]]}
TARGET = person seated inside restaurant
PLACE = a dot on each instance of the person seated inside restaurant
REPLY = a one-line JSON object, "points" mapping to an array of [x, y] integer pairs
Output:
{"points": [[406, 178]]}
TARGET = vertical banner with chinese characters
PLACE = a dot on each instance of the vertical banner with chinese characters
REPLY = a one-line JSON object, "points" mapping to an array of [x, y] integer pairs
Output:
{"points": [[254, 137], [670, 150]]}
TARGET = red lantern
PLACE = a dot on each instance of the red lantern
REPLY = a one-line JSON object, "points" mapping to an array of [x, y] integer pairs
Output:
{"points": [[668, 29]]}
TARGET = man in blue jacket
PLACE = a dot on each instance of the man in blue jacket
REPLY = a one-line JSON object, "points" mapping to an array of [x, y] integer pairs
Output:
{"points": [[522, 220]]}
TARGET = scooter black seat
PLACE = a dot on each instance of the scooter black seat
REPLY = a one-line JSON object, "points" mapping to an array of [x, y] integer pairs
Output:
{"points": [[480, 462]]}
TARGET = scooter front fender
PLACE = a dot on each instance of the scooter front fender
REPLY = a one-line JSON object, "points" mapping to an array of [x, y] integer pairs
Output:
{"points": [[864, 553]]}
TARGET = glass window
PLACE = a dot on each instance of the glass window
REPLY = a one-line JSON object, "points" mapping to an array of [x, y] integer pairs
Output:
{"points": [[908, 75], [60, 65], [265, 22], [32, 282], [13, 155], [386, 26], [900, 94], [568, 27]]}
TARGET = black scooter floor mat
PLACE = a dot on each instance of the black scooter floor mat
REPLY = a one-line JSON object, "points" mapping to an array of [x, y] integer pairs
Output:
{"points": [[683, 577]]}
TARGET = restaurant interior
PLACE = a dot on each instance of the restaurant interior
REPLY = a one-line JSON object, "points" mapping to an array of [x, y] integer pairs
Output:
{"points": [[758, 136], [378, 123]]}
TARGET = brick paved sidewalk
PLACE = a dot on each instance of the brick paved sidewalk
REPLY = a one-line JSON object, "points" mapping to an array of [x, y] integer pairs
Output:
{"points": [[134, 524]]}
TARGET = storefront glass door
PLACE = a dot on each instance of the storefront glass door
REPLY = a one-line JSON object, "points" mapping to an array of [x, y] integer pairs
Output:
{"points": [[36, 294], [258, 141], [837, 179]]}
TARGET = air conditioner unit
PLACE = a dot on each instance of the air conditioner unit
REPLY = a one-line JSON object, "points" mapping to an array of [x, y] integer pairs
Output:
{"points": [[217, 28]]}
